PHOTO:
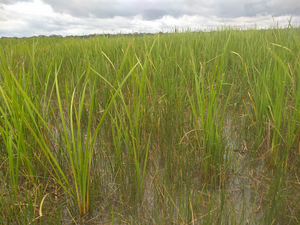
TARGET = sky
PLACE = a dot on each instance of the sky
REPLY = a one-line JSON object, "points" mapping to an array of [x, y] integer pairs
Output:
{"points": [[25, 18]]}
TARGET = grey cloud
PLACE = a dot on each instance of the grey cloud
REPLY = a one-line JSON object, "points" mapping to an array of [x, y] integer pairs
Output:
{"points": [[252, 8], [274, 7], [90, 8], [153, 14], [287, 7], [97, 16], [148, 9], [156, 9], [10, 2]]}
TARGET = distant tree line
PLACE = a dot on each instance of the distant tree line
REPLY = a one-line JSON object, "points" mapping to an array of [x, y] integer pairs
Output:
{"points": [[136, 34]]}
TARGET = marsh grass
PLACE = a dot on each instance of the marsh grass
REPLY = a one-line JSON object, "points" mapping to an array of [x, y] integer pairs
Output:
{"points": [[185, 127]]}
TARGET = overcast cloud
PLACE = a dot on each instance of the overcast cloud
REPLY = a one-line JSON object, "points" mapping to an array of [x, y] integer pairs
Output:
{"points": [[76, 17]]}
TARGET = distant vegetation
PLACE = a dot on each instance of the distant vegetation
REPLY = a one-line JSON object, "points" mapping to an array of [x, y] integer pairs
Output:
{"points": [[136, 34], [184, 128]]}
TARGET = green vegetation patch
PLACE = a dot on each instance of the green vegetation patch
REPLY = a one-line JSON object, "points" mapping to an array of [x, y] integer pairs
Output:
{"points": [[185, 127]]}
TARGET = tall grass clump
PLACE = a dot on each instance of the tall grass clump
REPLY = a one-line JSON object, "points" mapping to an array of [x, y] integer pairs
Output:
{"points": [[209, 111], [76, 151]]}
